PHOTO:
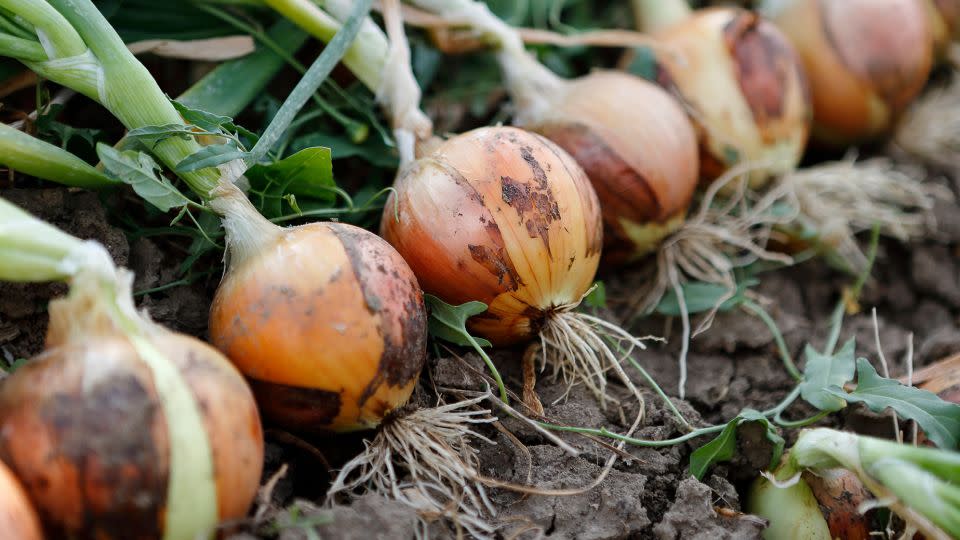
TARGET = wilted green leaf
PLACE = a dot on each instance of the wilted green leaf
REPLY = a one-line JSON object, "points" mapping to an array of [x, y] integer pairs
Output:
{"points": [[939, 419], [210, 156], [153, 134], [204, 120], [723, 446], [139, 170], [824, 371], [449, 323], [700, 297]]}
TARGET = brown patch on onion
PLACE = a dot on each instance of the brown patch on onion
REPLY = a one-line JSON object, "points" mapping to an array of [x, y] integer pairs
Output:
{"points": [[82, 426]]}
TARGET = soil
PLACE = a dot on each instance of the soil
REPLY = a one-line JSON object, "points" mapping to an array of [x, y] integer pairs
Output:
{"points": [[732, 366]]}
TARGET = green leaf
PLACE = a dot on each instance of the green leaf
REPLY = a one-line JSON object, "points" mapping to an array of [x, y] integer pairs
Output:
{"points": [[210, 156], [597, 297], [449, 323], [204, 120], [308, 172], [373, 150], [719, 449], [939, 419], [139, 170], [724, 445], [750, 415], [700, 297], [151, 135], [824, 371]]}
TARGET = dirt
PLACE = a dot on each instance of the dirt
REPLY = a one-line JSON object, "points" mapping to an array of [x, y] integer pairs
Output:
{"points": [[732, 366]]}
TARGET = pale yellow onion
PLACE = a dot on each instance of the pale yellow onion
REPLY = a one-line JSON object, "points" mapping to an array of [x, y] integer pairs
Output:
{"points": [[741, 81], [866, 61]]}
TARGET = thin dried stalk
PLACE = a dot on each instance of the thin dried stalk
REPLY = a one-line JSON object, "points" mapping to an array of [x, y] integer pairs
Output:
{"points": [[839, 199], [580, 348], [424, 460]]}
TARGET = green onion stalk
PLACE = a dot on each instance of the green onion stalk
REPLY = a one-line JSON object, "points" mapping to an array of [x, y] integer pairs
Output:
{"points": [[920, 484], [100, 303], [22, 152]]}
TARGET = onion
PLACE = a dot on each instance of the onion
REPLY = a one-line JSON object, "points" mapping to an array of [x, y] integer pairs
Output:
{"points": [[741, 82], [840, 495], [866, 60], [632, 138], [944, 22], [325, 319], [18, 519], [120, 425]]}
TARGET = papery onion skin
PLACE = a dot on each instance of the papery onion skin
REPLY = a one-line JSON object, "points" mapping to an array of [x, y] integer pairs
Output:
{"points": [[840, 493], [18, 519], [503, 216], [639, 150], [329, 325], [865, 59], [745, 89], [82, 427]]}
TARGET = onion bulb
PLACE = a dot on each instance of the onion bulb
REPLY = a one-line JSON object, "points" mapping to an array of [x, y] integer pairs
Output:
{"points": [[119, 425], [325, 319], [18, 519], [741, 81], [503, 216], [632, 139], [866, 61], [507, 217]]}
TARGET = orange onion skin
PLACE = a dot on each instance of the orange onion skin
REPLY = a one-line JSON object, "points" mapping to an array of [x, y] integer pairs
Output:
{"points": [[503, 216], [840, 493], [82, 427], [744, 87], [18, 519], [328, 324], [866, 61], [639, 150]]}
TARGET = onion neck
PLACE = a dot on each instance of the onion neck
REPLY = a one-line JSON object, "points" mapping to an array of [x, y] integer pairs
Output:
{"points": [[533, 88], [247, 231], [654, 15]]}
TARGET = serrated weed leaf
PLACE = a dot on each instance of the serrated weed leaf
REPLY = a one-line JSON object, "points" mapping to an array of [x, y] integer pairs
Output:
{"points": [[140, 171], [210, 156], [723, 446], [939, 419], [449, 323], [822, 372]]}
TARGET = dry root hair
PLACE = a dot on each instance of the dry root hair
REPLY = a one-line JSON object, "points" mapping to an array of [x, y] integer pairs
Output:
{"points": [[582, 348], [837, 200], [930, 129], [723, 234], [424, 460]]}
